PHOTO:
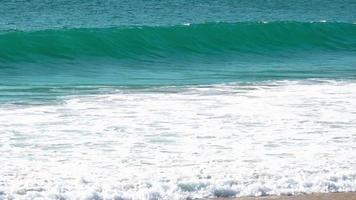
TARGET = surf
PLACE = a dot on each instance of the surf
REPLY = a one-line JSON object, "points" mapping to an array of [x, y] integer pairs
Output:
{"points": [[180, 41], [190, 54]]}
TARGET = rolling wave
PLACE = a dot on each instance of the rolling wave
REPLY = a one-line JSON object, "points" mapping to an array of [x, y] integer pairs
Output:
{"points": [[210, 53], [183, 41]]}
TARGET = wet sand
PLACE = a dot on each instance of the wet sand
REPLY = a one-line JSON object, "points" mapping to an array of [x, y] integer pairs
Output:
{"points": [[319, 196]]}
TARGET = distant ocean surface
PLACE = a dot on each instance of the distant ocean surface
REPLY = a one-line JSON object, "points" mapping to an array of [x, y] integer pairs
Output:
{"points": [[176, 99]]}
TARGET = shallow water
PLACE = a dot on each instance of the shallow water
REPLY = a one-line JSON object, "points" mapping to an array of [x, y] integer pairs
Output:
{"points": [[281, 137]]}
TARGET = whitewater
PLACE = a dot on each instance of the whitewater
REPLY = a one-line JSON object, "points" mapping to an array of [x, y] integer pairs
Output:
{"points": [[222, 140]]}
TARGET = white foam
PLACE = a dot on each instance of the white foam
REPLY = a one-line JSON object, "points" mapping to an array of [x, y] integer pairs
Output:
{"points": [[225, 140]]}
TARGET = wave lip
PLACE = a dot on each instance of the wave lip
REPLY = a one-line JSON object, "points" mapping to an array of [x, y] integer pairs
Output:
{"points": [[178, 41]]}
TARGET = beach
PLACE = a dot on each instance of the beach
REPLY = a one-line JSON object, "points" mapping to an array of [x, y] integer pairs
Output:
{"points": [[317, 196]]}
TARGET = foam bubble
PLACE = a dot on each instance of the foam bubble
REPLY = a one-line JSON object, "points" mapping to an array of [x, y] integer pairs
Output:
{"points": [[286, 137]]}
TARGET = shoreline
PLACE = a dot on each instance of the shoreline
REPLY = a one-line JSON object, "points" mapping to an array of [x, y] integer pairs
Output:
{"points": [[313, 196]]}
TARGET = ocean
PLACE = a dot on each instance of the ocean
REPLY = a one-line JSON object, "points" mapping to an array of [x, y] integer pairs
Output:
{"points": [[176, 99]]}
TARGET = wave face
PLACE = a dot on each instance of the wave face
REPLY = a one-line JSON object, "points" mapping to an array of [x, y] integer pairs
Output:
{"points": [[228, 52], [174, 41]]}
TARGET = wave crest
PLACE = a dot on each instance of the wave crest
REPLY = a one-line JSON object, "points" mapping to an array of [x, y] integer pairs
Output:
{"points": [[178, 41]]}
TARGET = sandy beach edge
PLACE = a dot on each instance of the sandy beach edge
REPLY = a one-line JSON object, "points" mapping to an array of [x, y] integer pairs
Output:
{"points": [[314, 196]]}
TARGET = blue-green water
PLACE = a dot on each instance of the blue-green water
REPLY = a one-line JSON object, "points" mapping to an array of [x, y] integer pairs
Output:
{"points": [[176, 99], [45, 14], [145, 43]]}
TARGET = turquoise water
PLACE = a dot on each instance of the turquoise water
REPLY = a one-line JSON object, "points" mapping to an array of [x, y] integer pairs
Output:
{"points": [[145, 43], [38, 14], [176, 99], [190, 54]]}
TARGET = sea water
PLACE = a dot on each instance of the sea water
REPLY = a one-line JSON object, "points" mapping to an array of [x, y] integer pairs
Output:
{"points": [[176, 99]]}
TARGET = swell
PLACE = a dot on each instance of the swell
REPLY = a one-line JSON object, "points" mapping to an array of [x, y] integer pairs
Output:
{"points": [[177, 42]]}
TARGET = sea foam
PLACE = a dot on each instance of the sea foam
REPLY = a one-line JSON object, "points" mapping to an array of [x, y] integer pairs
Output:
{"points": [[272, 138]]}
